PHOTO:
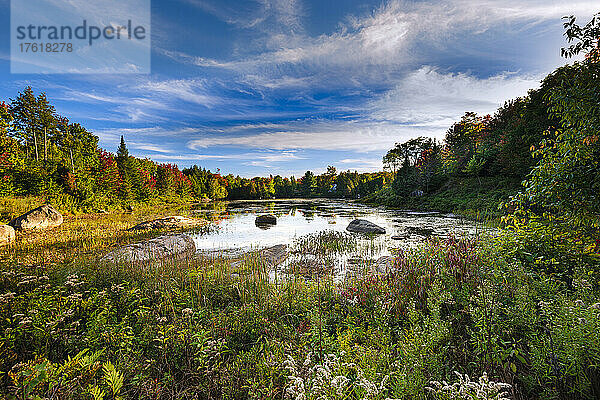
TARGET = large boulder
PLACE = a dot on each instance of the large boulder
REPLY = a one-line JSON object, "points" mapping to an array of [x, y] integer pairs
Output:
{"points": [[173, 222], [266, 219], [42, 217], [364, 226], [154, 250], [7, 235], [271, 256]]}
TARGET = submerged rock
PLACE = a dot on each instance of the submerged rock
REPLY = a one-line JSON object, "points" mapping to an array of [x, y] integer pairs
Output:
{"points": [[157, 249], [364, 226], [419, 231], [172, 222], [42, 217], [7, 235], [266, 219]]}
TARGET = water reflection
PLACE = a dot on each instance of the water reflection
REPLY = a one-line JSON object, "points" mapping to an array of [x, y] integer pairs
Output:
{"points": [[236, 227]]}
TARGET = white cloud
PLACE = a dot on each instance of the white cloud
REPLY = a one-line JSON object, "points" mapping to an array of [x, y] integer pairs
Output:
{"points": [[429, 97], [378, 46], [255, 159], [363, 136], [149, 147], [284, 14], [424, 103], [364, 164], [190, 90]]}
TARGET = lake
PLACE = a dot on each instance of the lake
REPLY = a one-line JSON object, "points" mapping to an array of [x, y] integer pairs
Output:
{"points": [[302, 222]]}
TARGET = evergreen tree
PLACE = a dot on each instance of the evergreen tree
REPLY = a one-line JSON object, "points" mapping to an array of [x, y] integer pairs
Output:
{"points": [[308, 184], [125, 170]]}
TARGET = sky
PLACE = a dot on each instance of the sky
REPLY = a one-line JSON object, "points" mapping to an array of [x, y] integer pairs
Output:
{"points": [[263, 87]]}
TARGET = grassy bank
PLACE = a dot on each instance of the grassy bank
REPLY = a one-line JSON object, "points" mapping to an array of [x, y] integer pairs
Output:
{"points": [[473, 197], [210, 329]]}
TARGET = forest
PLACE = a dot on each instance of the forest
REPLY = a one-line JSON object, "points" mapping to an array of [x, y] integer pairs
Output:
{"points": [[44, 154]]}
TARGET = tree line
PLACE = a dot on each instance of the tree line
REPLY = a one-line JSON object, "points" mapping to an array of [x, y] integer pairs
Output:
{"points": [[44, 154]]}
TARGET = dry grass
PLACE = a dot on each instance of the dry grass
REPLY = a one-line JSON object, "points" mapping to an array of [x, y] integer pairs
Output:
{"points": [[81, 237]]}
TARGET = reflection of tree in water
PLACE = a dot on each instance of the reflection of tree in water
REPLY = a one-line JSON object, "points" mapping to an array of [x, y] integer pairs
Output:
{"points": [[216, 206], [308, 214]]}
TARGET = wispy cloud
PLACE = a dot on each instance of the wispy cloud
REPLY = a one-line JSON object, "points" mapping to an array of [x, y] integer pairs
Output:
{"points": [[360, 136], [363, 164], [263, 159], [284, 13], [190, 90], [383, 44], [430, 97]]}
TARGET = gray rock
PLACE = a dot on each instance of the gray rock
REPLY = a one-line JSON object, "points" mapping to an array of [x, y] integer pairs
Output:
{"points": [[42, 217], [416, 230], [266, 219], [271, 256], [364, 226], [7, 235], [172, 222], [167, 247]]}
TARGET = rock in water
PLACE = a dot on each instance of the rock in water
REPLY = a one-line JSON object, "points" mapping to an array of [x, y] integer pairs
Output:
{"points": [[267, 219], [364, 226], [7, 235], [42, 217], [173, 222], [153, 250]]}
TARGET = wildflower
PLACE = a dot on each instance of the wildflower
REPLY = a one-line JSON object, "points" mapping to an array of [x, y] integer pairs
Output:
{"points": [[339, 383], [582, 284], [307, 361], [73, 281], [290, 365], [466, 389], [6, 297]]}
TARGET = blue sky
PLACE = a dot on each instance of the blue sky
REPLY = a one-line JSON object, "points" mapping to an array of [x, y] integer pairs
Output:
{"points": [[281, 86]]}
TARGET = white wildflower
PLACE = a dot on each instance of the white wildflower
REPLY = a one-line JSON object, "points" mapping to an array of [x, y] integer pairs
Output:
{"points": [[483, 389]]}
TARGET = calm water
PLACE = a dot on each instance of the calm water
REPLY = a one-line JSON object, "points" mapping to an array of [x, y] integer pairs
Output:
{"points": [[235, 230]]}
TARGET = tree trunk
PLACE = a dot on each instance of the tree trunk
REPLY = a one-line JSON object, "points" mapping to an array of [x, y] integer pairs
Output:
{"points": [[45, 145], [72, 164], [37, 156]]}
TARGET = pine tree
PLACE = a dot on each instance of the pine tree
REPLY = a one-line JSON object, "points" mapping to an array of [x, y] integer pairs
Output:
{"points": [[125, 170]]}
